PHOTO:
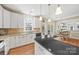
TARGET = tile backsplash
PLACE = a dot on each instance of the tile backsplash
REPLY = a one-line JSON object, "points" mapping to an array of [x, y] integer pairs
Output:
{"points": [[5, 31]]}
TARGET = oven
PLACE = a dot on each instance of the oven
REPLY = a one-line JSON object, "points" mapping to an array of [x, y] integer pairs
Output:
{"points": [[2, 47]]}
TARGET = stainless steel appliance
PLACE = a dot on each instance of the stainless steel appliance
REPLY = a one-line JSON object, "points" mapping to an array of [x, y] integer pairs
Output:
{"points": [[2, 50]]}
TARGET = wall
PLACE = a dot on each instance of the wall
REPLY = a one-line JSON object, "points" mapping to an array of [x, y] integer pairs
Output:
{"points": [[74, 34], [69, 22]]}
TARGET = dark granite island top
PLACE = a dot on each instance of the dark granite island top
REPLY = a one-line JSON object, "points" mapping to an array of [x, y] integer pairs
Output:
{"points": [[57, 47]]}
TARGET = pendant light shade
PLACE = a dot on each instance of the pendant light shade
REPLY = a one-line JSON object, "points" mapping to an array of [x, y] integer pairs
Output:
{"points": [[58, 10], [40, 14], [49, 20], [41, 18]]}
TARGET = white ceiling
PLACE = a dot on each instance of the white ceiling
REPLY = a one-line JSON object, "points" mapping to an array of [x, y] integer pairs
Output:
{"points": [[34, 9]]}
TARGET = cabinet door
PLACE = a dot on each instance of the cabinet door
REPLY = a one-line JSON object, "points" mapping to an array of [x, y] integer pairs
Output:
{"points": [[14, 20], [31, 38], [6, 18], [18, 41], [23, 40], [0, 17], [20, 21], [37, 23], [12, 42], [7, 45]]}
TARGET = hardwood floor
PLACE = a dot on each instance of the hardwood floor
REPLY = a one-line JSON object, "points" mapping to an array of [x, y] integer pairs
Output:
{"points": [[23, 50], [71, 41]]}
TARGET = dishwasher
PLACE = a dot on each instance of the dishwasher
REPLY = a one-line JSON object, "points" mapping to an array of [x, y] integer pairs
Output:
{"points": [[2, 47]]}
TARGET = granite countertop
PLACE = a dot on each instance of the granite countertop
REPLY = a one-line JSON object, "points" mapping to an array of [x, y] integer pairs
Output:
{"points": [[57, 47]]}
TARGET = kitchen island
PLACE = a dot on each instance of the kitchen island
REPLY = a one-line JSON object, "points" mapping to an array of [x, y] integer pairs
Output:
{"points": [[56, 47]]}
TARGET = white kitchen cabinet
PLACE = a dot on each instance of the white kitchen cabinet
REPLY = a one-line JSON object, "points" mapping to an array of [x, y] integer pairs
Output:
{"points": [[20, 21], [6, 18], [37, 22], [7, 45], [12, 42], [31, 38], [17, 41], [14, 19], [24, 39], [31, 21], [1, 16], [21, 40]]}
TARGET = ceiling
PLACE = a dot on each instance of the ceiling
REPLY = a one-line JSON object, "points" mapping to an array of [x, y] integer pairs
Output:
{"points": [[34, 9]]}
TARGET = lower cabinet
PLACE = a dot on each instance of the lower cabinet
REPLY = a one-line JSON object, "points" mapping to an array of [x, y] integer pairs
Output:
{"points": [[12, 42], [16, 41], [21, 40], [40, 50], [7, 45], [30, 38]]}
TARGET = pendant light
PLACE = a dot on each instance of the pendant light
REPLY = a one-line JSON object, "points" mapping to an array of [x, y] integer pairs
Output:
{"points": [[58, 10], [49, 20], [40, 14]]}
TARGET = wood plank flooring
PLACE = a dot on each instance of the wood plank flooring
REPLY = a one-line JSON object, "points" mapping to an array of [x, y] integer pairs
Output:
{"points": [[23, 50], [72, 41]]}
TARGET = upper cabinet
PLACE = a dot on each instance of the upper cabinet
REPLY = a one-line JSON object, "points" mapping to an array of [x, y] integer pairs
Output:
{"points": [[10, 19], [17, 20], [37, 22], [14, 20], [32, 23], [20, 21], [6, 18], [0, 17]]}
